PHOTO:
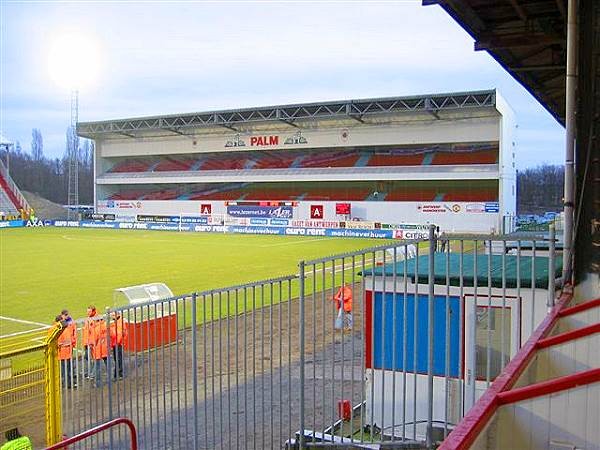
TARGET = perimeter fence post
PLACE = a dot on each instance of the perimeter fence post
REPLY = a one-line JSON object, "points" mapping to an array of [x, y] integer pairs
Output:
{"points": [[431, 300], [551, 268], [301, 325], [195, 367]]}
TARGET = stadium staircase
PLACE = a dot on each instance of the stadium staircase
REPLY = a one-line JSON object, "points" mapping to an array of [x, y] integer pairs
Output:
{"points": [[547, 396], [12, 202]]}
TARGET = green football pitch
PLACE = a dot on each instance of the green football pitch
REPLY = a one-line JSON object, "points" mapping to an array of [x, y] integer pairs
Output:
{"points": [[44, 270]]}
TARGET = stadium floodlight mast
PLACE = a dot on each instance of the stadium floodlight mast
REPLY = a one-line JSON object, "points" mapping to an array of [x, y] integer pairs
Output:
{"points": [[73, 61]]}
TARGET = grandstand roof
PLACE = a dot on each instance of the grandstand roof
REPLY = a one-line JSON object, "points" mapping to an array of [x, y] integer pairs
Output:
{"points": [[527, 38], [296, 115]]}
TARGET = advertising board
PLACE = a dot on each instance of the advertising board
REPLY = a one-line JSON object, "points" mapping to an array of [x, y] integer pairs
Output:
{"points": [[279, 212]]}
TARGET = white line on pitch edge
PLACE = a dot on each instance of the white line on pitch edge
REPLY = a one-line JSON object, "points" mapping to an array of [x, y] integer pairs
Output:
{"points": [[28, 322]]}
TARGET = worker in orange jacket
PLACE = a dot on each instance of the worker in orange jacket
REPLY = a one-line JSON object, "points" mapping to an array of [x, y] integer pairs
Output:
{"points": [[88, 341], [100, 350], [66, 343], [344, 297], [118, 333]]}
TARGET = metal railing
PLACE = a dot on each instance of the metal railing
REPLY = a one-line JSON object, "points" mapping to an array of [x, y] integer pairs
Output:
{"points": [[29, 389], [289, 361], [99, 429], [23, 204]]}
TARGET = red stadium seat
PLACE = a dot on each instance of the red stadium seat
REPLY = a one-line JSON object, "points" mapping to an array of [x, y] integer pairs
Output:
{"points": [[396, 160], [172, 165], [460, 158], [131, 165]]}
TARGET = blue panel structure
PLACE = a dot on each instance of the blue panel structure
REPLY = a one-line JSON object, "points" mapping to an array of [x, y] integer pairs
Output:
{"points": [[384, 354]]}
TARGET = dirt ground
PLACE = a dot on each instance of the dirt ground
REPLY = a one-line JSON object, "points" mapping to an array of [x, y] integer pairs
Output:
{"points": [[244, 391]]}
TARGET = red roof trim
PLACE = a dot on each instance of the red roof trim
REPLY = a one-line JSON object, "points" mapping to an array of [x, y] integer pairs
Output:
{"points": [[549, 387], [569, 336], [469, 427]]}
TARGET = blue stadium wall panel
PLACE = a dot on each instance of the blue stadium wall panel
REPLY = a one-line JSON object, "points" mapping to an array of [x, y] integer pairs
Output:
{"points": [[380, 319]]}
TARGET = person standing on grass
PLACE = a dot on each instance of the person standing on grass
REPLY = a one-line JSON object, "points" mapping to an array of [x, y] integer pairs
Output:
{"points": [[66, 342], [118, 334], [72, 333], [343, 297], [88, 342], [100, 349]]}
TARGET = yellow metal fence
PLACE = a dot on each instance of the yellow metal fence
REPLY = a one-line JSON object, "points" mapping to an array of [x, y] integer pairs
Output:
{"points": [[30, 386]]}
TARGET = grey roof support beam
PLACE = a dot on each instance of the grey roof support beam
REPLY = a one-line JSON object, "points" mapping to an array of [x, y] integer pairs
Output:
{"points": [[292, 115]]}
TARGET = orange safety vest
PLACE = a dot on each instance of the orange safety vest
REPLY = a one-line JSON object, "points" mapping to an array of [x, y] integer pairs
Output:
{"points": [[88, 331], [346, 293], [67, 341], [100, 349], [118, 332]]}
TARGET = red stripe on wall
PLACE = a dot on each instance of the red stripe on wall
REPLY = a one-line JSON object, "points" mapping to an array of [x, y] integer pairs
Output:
{"points": [[569, 336], [549, 387], [368, 325]]}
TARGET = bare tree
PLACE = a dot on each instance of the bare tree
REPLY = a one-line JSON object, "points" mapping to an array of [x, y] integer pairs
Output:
{"points": [[37, 145], [540, 189]]}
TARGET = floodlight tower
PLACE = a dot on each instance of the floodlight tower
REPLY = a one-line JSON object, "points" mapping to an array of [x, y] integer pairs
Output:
{"points": [[73, 156]]}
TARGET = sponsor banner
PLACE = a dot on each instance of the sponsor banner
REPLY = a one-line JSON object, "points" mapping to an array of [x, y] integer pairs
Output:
{"points": [[12, 223], [125, 218], [174, 219], [343, 209], [65, 223], [316, 211], [457, 208], [410, 234], [279, 222], [289, 231], [404, 226], [474, 208], [359, 225], [271, 140], [440, 208], [236, 221], [215, 220], [170, 227], [210, 228], [492, 207], [256, 230], [279, 212], [101, 217], [306, 231], [259, 221], [92, 224], [206, 209], [35, 223], [121, 204], [379, 234], [315, 224]]}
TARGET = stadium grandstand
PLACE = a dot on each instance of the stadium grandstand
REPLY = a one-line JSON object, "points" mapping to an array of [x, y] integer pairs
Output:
{"points": [[13, 204], [434, 158]]}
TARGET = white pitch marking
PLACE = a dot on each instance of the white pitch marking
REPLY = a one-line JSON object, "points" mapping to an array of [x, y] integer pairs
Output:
{"points": [[28, 322], [297, 242], [19, 333]]}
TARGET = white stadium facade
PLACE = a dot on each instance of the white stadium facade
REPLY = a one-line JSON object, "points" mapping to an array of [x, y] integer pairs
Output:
{"points": [[444, 159]]}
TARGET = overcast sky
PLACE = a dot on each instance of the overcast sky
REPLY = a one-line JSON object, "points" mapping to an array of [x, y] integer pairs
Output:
{"points": [[157, 58]]}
